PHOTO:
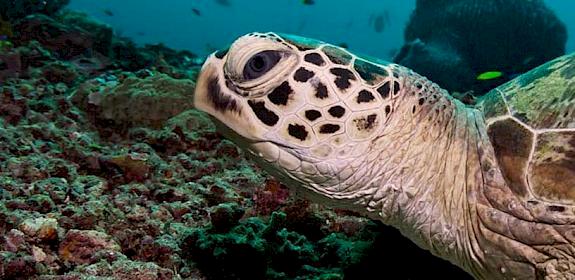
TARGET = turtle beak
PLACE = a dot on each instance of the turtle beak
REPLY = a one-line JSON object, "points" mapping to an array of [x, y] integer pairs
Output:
{"points": [[226, 107], [207, 73], [212, 96]]}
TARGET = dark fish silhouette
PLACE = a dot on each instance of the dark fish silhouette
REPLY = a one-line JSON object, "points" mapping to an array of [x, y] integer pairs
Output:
{"points": [[308, 2], [196, 11], [380, 22], [108, 12], [223, 2]]}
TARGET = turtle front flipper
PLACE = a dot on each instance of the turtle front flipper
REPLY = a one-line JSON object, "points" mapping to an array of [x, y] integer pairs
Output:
{"points": [[531, 124]]}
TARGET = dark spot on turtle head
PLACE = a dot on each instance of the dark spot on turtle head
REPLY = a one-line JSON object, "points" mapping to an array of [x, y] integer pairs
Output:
{"points": [[312, 115], [533, 202], [220, 101], [329, 128], [303, 75], [369, 72], [396, 88], [421, 101], [342, 77], [297, 131], [337, 55], [366, 123], [321, 91], [314, 58], [384, 90], [280, 95], [268, 117], [387, 109], [556, 208], [336, 111], [365, 96], [221, 53], [370, 121]]}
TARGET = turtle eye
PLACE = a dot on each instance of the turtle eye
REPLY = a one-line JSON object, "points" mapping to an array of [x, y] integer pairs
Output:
{"points": [[260, 64]]}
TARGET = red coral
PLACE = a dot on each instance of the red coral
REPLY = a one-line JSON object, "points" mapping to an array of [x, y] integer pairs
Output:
{"points": [[273, 196]]}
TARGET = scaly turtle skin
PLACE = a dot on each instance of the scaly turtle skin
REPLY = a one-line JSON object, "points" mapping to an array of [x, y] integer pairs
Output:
{"points": [[490, 188]]}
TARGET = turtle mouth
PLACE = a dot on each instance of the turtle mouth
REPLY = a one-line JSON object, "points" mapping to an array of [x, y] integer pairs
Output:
{"points": [[252, 145]]}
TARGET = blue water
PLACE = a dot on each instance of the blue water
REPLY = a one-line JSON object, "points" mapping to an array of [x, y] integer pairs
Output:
{"points": [[337, 21], [174, 23]]}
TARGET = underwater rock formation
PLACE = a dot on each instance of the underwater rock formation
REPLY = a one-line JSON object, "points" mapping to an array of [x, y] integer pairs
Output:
{"points": [[16, 9], [66, 41], [452, 42], [134, 101]]}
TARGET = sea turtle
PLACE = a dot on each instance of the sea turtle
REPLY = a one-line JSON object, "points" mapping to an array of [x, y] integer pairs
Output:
{"points": [[490, 188]]}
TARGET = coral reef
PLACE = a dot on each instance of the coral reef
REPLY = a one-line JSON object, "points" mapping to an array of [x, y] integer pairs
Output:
{"points": [[16, 9], [452, 42], [105, 173]]}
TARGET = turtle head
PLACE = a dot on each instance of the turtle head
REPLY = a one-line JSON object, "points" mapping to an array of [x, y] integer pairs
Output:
{"points": [[234, 83], [298, 106]]}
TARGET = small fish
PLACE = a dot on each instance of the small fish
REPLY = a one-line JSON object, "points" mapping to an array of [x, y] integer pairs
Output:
{"points": [[108, 12], [197, 12], [308, 2], [378, 24], [223, 2], [489, 75], [380, 21]]}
